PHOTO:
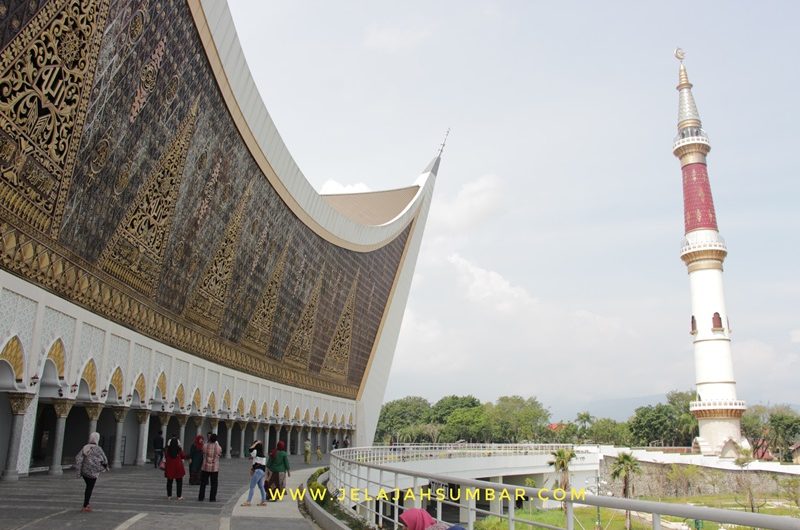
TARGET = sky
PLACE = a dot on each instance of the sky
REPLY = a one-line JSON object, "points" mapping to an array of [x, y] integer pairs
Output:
{"points": [[550, 261]]}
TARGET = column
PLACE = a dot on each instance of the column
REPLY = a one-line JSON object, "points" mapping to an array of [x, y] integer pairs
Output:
{"points": [[119, 417], [242, 427], [319, 440], [163, 420], [266, 437], [228, 433], [214, 422], [496, 505], [62, 406], [93, 410], [19, 405], [143, 417], [289, 439], [182, 419], [198, 421]]}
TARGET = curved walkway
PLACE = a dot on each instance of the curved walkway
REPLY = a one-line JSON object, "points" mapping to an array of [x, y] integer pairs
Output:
{"points": [[135, 498]]}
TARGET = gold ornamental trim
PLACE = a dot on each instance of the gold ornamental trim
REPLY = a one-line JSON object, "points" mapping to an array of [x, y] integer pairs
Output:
{"points": [[717, 413], [90, 376], [56, 354], [12, 354], [63, 406], [692, 153], [19, 402], [93, 410], [705, 254]]}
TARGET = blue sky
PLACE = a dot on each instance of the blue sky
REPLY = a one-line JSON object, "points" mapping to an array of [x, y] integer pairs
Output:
{"points": [[550, 264]]}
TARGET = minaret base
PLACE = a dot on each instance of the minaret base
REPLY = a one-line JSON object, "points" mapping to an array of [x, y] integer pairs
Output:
{"points": [[720, 429]]}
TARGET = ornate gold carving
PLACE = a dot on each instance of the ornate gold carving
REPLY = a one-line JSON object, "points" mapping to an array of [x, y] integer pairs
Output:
{"points": [[90, 376], [226, 400], [12, 353], [63, 406], [337, 360], [264, 410], [299, 348], [93, 410], [172, 88], [182, 419], [214, 422], [196, 399], [717, 413], [142, 416], [117, 382], [147, 80], [141, 388], [212, 403], [198, 420], [119, 413], [258, 333], [180, 396], [163, 418], [102, 152], [208, 302], [136, 250], [46, 74], [240, 407], [53, 268], [56, 354], [19, 402], [136, 27], [161, 384]]}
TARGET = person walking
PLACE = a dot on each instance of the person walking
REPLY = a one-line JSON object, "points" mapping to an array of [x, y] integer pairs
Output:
{"points": [[257, 472], [319, 454], [209, 471], [195, 460], [278, 466], [158, 449], [307, 450], [90, 462], [174, 469]]}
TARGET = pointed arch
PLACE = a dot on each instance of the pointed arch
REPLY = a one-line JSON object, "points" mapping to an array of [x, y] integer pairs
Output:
{"points": [[325, 418], [180, 396], [276, 409], [117, 381], [253, 409], [286, 413], [161, 385], [296, 413], [240, 407], [197, 399], [14, 355], [316, 414], [264, 410], [335, 417], [57, 355], [141, 388], [90, 376], [226, 400], [350, 419], [212, 402]]}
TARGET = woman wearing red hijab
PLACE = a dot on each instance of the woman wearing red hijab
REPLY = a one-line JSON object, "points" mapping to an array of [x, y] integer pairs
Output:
{"points": [[278, 466], [196, 460]]}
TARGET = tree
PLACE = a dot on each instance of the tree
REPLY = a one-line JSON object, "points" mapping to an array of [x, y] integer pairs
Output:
{"points": [[654, 424], [442, 409], [608, 431], [560, 461], [686, 424], [514, 419], [401, 413], [625, 467], [584, 420], [755, 427], [784, 427], [682, 477], [744, 481], [470, 424]]}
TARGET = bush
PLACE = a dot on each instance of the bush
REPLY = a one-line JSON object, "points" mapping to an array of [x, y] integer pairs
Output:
{"points": [[318, 493]]}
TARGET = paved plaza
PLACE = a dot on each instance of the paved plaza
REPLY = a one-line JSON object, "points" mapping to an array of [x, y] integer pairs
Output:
{"points": [[135, 498]]}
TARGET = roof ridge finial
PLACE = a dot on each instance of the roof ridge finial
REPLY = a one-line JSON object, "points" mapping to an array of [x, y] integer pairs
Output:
{"points": [[683, 77], [441, 147]]}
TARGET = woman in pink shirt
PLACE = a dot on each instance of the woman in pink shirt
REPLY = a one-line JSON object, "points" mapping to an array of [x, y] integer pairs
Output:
{"points": [[210, 468]]}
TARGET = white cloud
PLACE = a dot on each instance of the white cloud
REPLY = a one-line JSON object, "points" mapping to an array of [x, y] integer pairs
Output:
{"points": [[487, 286], [794, 336], [332, 187], [474, 203], [394, 39]]}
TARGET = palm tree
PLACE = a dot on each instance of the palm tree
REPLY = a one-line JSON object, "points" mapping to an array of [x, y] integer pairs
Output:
{"points": [[561, 460], [625, 467], [584, 421]]}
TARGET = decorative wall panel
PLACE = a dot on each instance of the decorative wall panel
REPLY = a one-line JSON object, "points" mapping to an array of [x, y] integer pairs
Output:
{"points": [[126, 188]]}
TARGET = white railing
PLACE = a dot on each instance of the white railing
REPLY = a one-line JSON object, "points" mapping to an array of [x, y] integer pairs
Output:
{"points": [[413, 452], [690, 140], [717, 404], [379, 492]]}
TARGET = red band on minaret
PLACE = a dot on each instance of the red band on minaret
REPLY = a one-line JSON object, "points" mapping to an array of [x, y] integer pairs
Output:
{"points": [[698, 205]]}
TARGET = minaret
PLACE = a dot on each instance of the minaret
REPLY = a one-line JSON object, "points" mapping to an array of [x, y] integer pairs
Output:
{"points": [[703, 250]]}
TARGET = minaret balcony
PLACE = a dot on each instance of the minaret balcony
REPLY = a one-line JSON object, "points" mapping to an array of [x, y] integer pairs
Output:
{"points": [[680, 142], [715, 404]]}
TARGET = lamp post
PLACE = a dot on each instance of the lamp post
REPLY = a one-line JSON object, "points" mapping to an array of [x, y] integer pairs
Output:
{"points": [[597, 522]]}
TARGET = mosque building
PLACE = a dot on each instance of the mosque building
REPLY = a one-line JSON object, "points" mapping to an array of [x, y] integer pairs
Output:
{"points": [[164, 263]]}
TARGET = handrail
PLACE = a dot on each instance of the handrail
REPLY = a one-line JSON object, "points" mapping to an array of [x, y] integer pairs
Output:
{"points": [[349, 473]]}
